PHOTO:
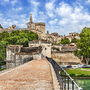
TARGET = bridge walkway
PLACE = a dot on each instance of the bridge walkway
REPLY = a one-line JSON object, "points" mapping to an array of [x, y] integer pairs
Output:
{"points": [[34, 75]]}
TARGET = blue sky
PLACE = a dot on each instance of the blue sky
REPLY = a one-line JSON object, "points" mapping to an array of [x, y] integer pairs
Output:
{"points": [[62, 16]]}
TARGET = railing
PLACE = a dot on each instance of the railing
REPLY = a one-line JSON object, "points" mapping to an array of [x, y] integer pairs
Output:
{"points": [[2, 65], [63, 77]]}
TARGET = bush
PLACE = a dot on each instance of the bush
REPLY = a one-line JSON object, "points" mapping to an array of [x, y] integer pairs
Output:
{"points": [[72, 75], [65, 41], [54, 48], [83, 75]]}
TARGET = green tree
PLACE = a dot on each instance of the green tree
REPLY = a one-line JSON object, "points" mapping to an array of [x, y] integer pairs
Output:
{"points": [[74, 40], [4, 35], [13, 38], [54, 48], [2, 50], [1, 26], [84, 44], [23, 41], [32, 36], [65, 41]]}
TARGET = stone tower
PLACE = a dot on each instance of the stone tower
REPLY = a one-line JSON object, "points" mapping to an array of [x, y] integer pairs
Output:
{"points": [[30, 17]]}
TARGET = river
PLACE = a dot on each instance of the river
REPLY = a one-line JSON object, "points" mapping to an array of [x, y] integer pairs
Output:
{"points": [[84, 83]]}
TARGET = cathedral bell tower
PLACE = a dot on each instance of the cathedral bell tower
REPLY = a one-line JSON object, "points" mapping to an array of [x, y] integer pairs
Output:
{"points": [[30, 17]]}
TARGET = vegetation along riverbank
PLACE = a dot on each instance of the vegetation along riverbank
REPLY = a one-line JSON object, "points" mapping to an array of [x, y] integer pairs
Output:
{"points": [[79, 72]]}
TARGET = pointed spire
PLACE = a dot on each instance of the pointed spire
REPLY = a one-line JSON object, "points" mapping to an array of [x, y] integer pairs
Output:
{"points": [[30, 17]]}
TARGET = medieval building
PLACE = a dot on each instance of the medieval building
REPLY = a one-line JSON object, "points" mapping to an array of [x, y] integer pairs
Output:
{"points": [[39, 28]]}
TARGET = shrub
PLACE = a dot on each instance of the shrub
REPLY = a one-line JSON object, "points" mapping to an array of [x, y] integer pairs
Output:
{"points": [[72, 75], [54, 48]]}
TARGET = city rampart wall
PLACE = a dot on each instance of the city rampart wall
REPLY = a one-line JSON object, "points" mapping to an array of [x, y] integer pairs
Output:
{"points": [[65, 58]]}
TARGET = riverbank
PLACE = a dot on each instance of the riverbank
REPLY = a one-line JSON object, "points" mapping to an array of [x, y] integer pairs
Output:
{"points": [[79, 72]]}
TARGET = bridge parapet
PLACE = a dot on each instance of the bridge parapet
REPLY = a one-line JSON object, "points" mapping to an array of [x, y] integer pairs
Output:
{"points": [[63, 77]]}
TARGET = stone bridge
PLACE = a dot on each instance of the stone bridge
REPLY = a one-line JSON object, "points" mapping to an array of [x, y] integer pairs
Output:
{"points": [[34, 75]]}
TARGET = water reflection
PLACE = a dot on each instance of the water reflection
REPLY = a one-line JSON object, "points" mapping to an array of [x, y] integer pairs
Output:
{"points": [[84, 83]]}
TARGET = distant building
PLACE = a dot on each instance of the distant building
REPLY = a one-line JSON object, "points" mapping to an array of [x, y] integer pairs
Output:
{"points": [[72, 36], [46, 46], [69, 47], [39, 28]]}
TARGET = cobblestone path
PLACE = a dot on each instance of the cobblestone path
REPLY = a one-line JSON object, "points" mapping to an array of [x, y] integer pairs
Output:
{"points": [[35, 75]]}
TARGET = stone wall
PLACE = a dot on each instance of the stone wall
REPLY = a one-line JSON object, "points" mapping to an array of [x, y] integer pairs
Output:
{"points": [[10, 55], [65, 58], [57, 46], [46, 47], [19, 60], [40, 28], [17, 55], [10, 30]]}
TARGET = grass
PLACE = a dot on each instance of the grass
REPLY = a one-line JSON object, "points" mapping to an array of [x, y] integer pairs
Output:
{"points": [[78, 72]]}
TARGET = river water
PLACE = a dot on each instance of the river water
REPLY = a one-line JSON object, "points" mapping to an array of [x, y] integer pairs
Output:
{"points": [[84, 83]]}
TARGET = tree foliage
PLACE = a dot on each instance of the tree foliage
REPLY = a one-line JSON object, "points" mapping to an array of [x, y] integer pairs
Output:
{"points": [[84, 44], [54, 48], [65, 41], [74, 40], [23, 41], [1, 26], [15, 38], [2, 50]]}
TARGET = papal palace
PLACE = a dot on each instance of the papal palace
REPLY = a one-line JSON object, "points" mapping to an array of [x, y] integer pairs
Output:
{"points": [[39, 28]]}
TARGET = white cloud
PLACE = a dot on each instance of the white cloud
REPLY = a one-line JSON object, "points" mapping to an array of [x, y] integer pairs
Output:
{"points": [[52, 22], [64, 10], [1, 14], [6, 0], [50, 6], [69, 18], [34, 7], [14, 1], [34, 3], [87, 1], [51, 14], [63, 21], [17, 9]]}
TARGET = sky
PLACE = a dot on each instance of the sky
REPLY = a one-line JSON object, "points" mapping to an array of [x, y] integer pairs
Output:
{"points": [[61, 16]]}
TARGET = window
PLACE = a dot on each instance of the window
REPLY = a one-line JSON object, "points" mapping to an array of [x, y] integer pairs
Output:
{"points": [[45, 48]]}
